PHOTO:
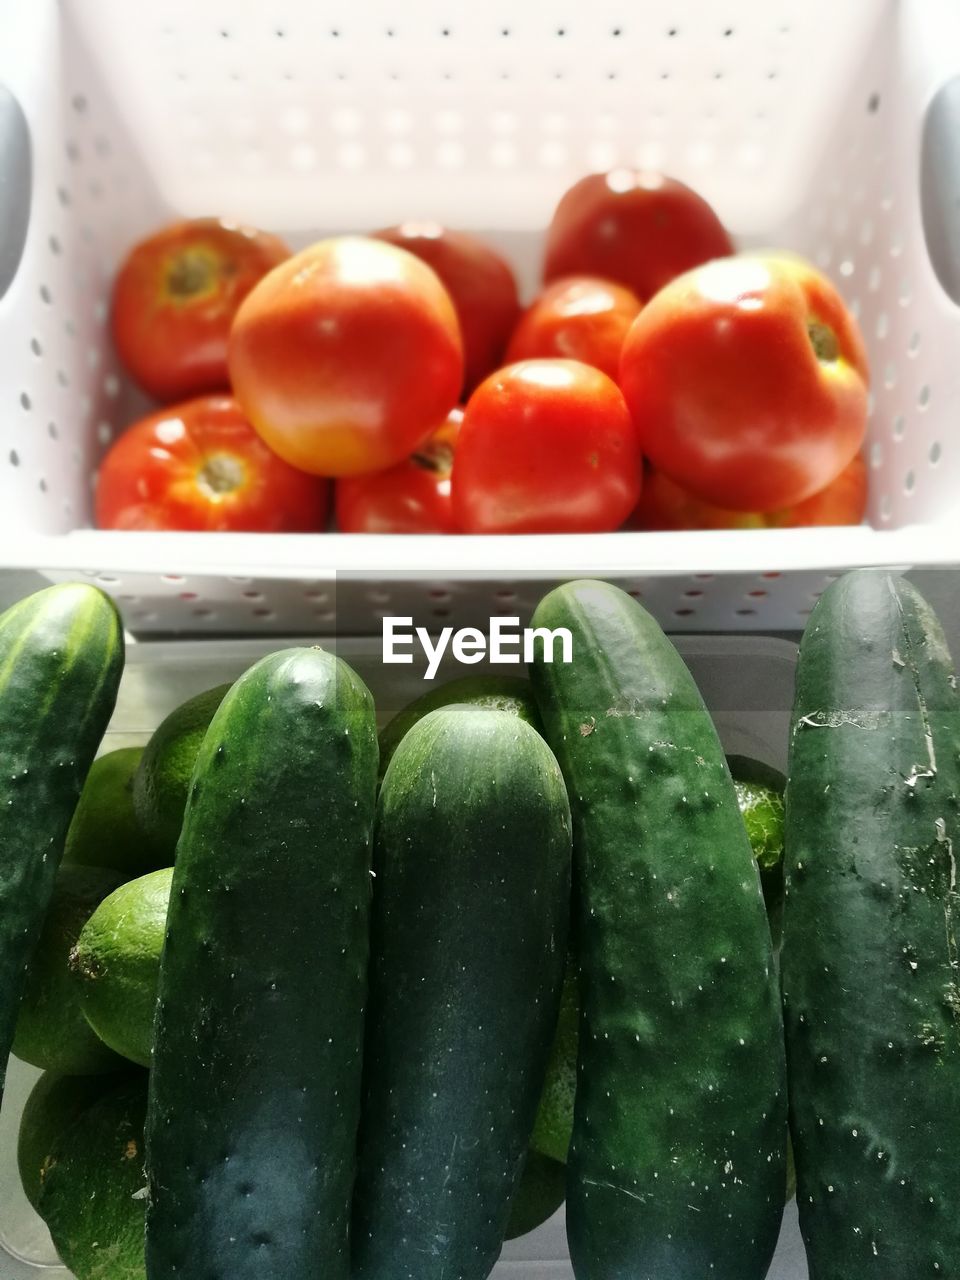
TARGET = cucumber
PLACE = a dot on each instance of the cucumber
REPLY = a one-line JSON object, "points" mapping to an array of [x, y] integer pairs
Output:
{"points": [[471, 913], [676, 1168], [61, 656], [870, 957], [255, 1088], [499, 693]]}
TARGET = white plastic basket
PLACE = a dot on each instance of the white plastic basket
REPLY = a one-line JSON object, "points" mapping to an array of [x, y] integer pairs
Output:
{"points": [[746, 681], [832, 128]]}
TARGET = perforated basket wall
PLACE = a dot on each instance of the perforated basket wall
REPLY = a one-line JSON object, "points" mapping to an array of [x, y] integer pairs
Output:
{"points": [[806, 123]]}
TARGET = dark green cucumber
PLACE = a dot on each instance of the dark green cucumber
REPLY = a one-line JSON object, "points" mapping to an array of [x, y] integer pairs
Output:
{"points": [[870, 961], [677, 1165], [471, 911], [499, 693], [255, 1089], [61, 657]]}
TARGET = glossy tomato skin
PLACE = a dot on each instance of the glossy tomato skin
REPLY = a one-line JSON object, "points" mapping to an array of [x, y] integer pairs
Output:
{"points": [[481, 285], [346, 356], [174, 299], [546, 446], [637, 227], [201, 466], [577, 318], [412, 497], [747, 379], [664, 506]]}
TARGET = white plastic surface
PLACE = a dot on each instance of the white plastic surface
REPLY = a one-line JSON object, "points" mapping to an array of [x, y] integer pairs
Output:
{"points": [[799, 119], [747, 683]]}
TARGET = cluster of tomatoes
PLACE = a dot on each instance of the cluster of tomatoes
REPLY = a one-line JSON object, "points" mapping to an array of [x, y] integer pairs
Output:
{"points": [[659, 380]]}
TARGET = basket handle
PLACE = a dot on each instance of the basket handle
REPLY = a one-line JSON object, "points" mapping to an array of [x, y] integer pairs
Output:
{"points": [[16, 172], [940, 185]]}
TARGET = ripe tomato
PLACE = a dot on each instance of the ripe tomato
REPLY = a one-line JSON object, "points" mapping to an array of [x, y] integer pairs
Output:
{"points": [[346, 356], [579, 318], [546, 446], [200, 465], [747, 380], [175, 297], [664, 505], [634, 226], [412, 497], [480, 284]]}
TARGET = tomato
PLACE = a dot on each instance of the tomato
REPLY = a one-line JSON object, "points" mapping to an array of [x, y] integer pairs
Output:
{"points": [[664, 505], [412, 497], [174, 299], [747, 380], [580, 318], [546, 446], [200, 465], [481, 287], [637, 227], [347, 356]]}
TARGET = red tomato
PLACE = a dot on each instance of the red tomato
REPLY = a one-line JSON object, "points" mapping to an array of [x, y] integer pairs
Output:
{"points": [[664, 505], [633, 226], [412, 497], [347, 356], [546, 446], [579, 318], [480, 284], [174, 300], [747, 380], [200, 465]]}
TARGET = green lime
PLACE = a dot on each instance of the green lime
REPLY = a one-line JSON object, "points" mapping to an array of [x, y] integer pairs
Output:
{"points": [[162, 781], [554, 1122], [54, 1103], [52, 1032], [763, 811], [117, 963], [501, 693], [92, 1198], [539, 1195], [105, 831]]}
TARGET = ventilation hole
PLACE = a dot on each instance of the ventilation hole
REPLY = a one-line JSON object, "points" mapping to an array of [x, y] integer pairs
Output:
{"points": [[873, 279], [882, 325], [923, 399], [913, 346], [203, 613], [847, 267], [62, 378], [728, 32], [873, 103], [890, 375], [25, 401], [224, 35], [684, 613], [693, 594], [42, 485], [45, 294], [899, 427], [896, 247], [757, 595], [876, 455], [264, 613], [909, 482], [746, 613], [617, 32], [704, 577], [63, 195], [172, 577], [189, 595], [936, 453], [885, 507], [773, 75], [673, 31], [52, 431], [561, 32], [253, 595], [14, 458], [104, 432]]}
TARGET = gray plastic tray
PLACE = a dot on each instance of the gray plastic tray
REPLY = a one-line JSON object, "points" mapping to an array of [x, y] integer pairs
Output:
{"points": [[747, 681]]}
